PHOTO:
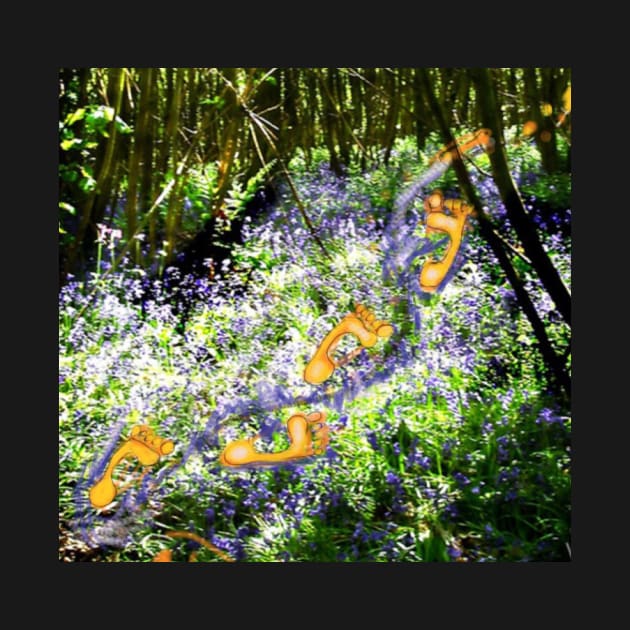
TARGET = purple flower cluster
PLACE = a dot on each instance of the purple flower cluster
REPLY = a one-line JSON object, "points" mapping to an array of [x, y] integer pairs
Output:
{"points": [[238, 366]]}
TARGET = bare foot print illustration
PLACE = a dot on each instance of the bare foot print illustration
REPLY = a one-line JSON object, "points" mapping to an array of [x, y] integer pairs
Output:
{"points": [[309, 435]]}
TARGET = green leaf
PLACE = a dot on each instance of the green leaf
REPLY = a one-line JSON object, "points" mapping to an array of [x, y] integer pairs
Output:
{"points": [[98, 120], [75, 116], [95, 117], [215, 101], [66, 206], [87, 183], [66, 145], [69, 175], [122, 126], [108, 113]]}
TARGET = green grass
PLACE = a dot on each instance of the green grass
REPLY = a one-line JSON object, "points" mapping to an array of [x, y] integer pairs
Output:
{"points": [[463, 454]]}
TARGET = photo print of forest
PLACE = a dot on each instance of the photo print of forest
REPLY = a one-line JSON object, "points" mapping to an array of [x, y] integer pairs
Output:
{"points": [[314, 314]]}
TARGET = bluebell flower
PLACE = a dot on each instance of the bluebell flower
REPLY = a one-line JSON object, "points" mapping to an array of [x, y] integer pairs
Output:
{"points": [[548, 417], [511, 495], [229, 509], [430, 493], [373, 441], [418, 458], [461, 479], [451, 510], [453, 552]]}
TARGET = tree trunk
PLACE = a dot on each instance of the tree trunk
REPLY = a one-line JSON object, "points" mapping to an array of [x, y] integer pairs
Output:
{"points": [[138, 152], [291, 78], [446, 97], [229, 143], [393, 89], [546, 132], [266, 100], [165, 131], [312, 107], [343, 124], [371, 109], [192, 93], [422, 130], [86, 233], [554, 363], [172, 140], [521, 222], [329, 122], [463, 96], [150, 180]]}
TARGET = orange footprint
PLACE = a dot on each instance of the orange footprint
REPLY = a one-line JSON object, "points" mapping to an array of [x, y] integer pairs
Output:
{"points": [[363, 325], [308, 435], [143, 444], [166, 555], [480, 138], [433, 272]]}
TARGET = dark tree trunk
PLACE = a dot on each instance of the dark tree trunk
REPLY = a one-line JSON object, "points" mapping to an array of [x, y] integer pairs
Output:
{"points": [[521, 222], [138, 152], [422, 130], [546, 131], [393, 89], [554, 363], [329, 122], [462, 88]]}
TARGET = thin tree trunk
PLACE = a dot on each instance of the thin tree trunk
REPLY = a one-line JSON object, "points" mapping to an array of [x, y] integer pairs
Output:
{"points": [[514, 116], [521, 222], [291, 99], [228, 144], [174, 205], [358, 95], [343, 135], [138, 152], [328, 122], [546, 133], [406, 120], [192, 95], [446, 98], [422, 130], [312, 108], [150, 181], [371, 96], [267, 100], [103, 179], [553, 362], [393, 82], [166, 129], [463, 96], [121, 151]]}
